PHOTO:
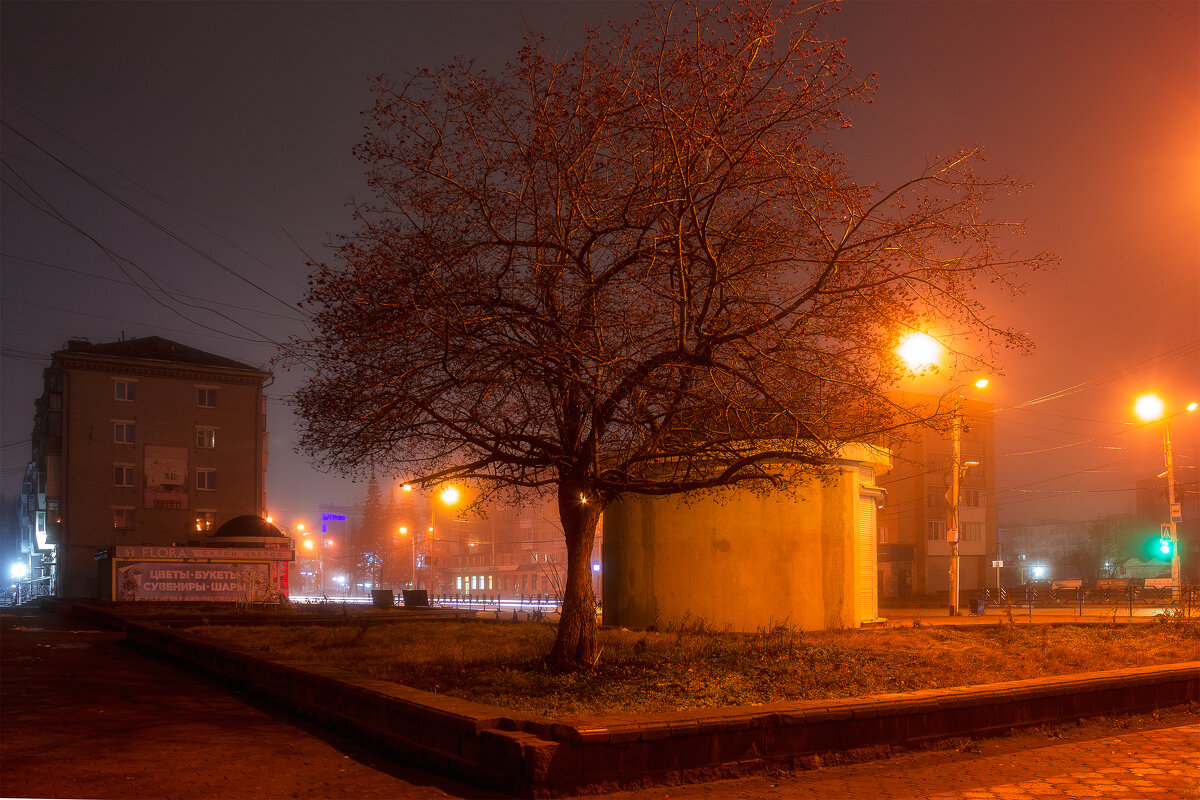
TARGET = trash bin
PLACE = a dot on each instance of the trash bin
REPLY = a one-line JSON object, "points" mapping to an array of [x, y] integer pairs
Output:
{"points": [[416, 598], [383, 598], [981, 603]]}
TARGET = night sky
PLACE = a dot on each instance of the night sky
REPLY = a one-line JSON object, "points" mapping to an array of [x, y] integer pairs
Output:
{"points": [[201, 152]]}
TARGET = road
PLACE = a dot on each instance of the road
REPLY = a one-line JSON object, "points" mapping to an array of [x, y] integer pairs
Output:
{"points": [[85, 716]]}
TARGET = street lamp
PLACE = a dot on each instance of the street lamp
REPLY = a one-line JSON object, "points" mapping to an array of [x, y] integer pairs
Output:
{"points": [[403, 531], [449, 496], [920, 352], [1151, 408]]}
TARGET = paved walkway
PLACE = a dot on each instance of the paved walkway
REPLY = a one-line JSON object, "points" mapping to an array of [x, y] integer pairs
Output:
{"points": [[84, 716]]}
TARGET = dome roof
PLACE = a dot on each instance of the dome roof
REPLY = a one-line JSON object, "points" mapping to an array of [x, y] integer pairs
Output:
{"points": [[248, 525]]}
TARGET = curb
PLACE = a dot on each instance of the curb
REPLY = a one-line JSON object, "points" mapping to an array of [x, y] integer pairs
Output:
{"points": [[536, 757]]}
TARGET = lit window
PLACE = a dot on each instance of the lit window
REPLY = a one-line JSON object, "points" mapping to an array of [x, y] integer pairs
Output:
{"points": [[474, 582], [124, 390], [458, 583], [206, 520], [489, 583], [206, 397], [122, 517], [206, 437], [122, 475], [936, 531], [123, 432], [206, 479]]}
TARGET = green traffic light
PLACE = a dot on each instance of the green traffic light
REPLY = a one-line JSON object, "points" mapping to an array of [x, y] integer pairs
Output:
{"points": [[1164, 546]]}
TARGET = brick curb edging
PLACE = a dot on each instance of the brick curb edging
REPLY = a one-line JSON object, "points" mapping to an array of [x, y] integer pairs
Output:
{"points": [[537, 757]]}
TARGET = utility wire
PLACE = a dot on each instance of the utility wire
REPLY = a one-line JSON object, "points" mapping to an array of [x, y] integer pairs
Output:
{"points": [[49, 209], [154, 223]]}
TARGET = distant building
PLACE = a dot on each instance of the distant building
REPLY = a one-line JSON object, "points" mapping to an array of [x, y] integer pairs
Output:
{"points": [[510, 551], [1050, 550], [914, 549], [140, 442]]}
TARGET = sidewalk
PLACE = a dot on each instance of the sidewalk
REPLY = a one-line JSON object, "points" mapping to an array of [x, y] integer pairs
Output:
{"points": [[85, 716]]}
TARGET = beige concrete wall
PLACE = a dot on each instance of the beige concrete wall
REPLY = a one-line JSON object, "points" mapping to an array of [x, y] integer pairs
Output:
{"points": [[737, 559]]}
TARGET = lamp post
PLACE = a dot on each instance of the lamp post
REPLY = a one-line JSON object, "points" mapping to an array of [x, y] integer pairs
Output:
{"points": [[449, 496], [954, 525], [403, 531], [1151, 408], [920, 352]]}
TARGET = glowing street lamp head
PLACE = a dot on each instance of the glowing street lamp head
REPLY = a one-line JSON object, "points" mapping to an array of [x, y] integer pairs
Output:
{"points": [[406, 487], [300, 527], [1192, 406], [403, 530], [982, 383], [450, 495], [1149, 407], [919, 351]]}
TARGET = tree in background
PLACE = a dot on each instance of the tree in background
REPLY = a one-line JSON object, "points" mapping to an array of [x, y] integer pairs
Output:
{"points": [[637, 267], [372, 534]]}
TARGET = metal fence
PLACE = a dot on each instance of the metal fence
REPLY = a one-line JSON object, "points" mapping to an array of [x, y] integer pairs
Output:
{"points": [[26, 590], [485, 602], [1130, 599]]}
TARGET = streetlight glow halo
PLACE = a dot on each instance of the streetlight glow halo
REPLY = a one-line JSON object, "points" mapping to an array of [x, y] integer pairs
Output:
{"points": [[919, 351], [1149, 407]]}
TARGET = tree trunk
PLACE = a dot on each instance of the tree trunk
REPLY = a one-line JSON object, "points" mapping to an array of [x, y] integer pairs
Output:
{"points": [[575, 644]]}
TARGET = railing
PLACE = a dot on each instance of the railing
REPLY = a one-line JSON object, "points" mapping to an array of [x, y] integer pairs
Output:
{"points": [[26, 590], [1129, 598], [532, 603]]}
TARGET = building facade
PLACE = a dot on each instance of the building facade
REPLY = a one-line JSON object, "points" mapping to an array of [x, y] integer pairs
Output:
{"points": [[141, 442], [914, 526]]}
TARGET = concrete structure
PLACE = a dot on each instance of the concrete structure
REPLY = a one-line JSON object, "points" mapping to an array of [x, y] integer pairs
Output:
{"points": [[141, 442], [742, 559], [914, 550]]}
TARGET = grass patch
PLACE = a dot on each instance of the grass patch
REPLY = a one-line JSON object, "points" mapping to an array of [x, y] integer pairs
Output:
{"points": [[501, 663]]}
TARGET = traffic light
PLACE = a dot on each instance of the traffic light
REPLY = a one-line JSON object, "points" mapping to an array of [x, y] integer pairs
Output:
{"points": [[1158, 547]]}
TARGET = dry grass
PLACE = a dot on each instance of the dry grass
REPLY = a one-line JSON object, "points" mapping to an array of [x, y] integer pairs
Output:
{"points": [[500, 663]]}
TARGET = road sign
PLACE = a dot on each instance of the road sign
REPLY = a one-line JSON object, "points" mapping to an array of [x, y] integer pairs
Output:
{"points": [[997, 563], [1176, 512]]}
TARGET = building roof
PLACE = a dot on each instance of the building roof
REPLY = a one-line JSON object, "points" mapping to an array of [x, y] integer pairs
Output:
{"points": [[153, 348], [248, 525]]}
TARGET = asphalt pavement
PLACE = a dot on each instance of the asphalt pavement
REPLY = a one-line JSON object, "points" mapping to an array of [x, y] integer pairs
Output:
{"points": [[83, 715]]}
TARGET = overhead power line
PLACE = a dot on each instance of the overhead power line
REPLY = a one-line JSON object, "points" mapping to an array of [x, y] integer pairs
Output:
{"points": [[151, 221]]}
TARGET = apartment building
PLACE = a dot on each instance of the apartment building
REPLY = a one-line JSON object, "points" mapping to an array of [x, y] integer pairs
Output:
{"points": [[914, 546], [141, 442]]}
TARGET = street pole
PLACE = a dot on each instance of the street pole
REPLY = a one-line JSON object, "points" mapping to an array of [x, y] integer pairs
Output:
{"points": [[1167, 454], [955, 481]]}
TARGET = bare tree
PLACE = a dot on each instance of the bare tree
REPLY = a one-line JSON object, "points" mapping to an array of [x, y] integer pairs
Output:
{"points": [[637, 267]]}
